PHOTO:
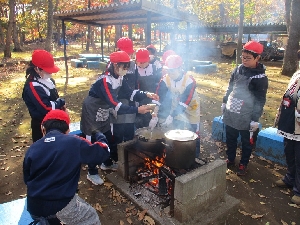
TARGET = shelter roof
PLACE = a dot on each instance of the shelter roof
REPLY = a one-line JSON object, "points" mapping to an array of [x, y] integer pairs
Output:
{"points": [[135, 12]]}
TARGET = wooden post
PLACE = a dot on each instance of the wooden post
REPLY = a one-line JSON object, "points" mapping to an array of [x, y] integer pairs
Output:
{"points": [[102, 39], [65, 55], [148, 29]]}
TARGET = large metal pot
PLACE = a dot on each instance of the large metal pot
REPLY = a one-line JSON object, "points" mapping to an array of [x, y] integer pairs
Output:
{"points": [[150, 141], [180, 148]]}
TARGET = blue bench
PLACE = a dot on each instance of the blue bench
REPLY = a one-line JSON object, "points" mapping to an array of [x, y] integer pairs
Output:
{"points": [[204, 69], [15, 212], [93, 64], [76, 63], [75, 128], [218, 129], [270, 145], [84, 60]]}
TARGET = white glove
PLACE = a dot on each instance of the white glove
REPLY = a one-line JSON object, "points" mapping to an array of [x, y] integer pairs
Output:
{"points": [[253, 126], [223, 106], [113, 112], [153, 122], [168, 121]]}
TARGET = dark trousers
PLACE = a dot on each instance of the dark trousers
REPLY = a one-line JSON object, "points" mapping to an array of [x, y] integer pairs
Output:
{"points": [[113, 153], [292, 155], [232, 135], [36, 129], [123, 132]]}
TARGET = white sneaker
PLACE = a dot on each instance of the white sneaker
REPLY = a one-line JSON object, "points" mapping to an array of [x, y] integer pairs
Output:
{"points": [[95, 179], [113, 167]]}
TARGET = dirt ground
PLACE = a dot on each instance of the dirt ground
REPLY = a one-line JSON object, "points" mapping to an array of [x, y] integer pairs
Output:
{"points": [[261, 202]]}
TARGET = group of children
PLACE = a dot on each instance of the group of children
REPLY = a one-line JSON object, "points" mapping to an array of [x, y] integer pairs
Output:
{"points": [[116, 105]]}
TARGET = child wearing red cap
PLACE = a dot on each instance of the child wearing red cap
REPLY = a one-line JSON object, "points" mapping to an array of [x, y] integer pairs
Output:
{"points": [[179, 103], [123, 125], [153, 58], [243, 103], [51, 171], [148, 78], [102, 99], [39, 92]]}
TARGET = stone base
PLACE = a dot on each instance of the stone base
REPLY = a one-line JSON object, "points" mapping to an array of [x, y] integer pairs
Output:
{"points": [[216, 213]]}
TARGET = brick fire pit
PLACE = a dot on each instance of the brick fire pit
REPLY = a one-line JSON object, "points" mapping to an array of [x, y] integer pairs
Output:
{"points": [[199, 196]]}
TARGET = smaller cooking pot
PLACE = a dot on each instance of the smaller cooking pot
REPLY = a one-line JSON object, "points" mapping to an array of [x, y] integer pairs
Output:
{"points": [[180, 148], [150, 140]]}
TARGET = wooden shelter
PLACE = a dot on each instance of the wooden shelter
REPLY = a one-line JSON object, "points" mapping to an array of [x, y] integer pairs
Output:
{"points": [[132, 12]]}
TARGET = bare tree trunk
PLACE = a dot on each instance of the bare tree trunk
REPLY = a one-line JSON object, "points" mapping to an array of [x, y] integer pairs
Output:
{"points": [[17, 46], [7, 51], [288, 13], [56, 24], [290, 60], [1, 35], [240, 33], [49, 26]]}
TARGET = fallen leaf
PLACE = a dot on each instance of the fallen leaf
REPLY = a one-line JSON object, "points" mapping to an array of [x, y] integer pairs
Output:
{"points": [[262, 203], [108, 184], [99, 208], [129, 220], [262, 196], [8, 193], [244, 213], [294, 205], [285, 192], [130, 208], [121, 222], [252, 181], [142, 214], [90, 189], [256, 216], [283, 223], [148, 221]]}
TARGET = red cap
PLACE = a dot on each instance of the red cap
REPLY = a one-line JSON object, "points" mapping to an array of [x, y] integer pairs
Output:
{"points": [[166, 54], [173, 62], [119, 56], [125, 44], [44, 60], [151, 46], [57, 114], [142, 55], [254, 46]]}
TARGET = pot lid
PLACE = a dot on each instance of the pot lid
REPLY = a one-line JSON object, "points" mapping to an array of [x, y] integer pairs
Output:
{"points": [[181, 135]]}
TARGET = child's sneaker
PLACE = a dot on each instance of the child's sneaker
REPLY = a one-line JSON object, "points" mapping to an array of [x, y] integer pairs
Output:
{"points": [[113, 167], [296, 199], [95, 179], [230, 163], [242, 170]]}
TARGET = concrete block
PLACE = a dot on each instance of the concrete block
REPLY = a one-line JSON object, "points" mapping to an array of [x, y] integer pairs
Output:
{"points": [[199, 189], [204, 69], [76, 63], [270, 145], [93, 64]]}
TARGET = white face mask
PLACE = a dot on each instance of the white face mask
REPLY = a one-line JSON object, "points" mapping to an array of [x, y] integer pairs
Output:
{"points": [[151, 57], [47, 75], [122, 72]]}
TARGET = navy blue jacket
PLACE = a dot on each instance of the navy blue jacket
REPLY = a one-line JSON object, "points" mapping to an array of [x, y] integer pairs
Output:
{"points": [[52, 166], [38, 97]]}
